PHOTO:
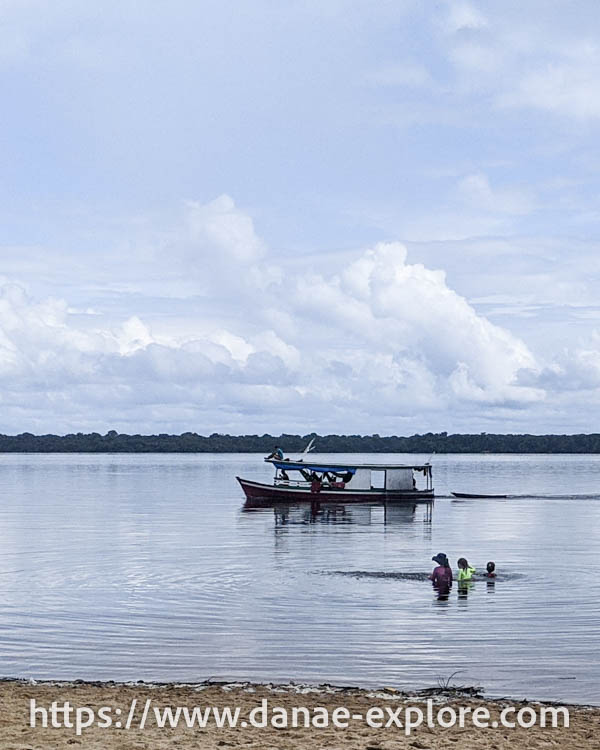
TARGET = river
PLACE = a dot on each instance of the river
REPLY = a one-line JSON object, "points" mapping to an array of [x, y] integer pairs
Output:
{"points": [[147, 566]]}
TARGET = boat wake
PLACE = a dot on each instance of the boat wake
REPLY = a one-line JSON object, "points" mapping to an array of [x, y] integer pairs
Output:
{"points": [[377, 574], [417, 576], [523, 496], [570, 496]]}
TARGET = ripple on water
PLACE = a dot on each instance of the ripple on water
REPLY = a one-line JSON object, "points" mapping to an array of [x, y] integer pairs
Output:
{"points": [[144, 567], [417, 576]]}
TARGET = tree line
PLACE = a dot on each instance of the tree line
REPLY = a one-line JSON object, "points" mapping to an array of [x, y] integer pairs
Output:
{"points": [[191, 442]]}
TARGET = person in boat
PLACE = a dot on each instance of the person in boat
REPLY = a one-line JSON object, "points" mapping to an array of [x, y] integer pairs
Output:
{"points": [[315, 482], [491, 569], [277, 453], [442, 575], [336, 479], [465, 571]]}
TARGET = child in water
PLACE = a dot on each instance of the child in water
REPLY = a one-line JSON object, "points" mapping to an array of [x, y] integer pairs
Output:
{"points": [[491, 569], [465, 571]]}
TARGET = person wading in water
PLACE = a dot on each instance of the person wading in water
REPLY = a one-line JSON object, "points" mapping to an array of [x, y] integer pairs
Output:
{"points": [[442, 575]]}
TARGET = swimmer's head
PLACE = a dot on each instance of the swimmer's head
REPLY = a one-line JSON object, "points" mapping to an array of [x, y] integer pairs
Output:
{"points": [[490, 567], [462, 563]]}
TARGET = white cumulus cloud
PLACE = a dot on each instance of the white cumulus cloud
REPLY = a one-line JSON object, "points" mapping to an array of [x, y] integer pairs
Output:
{"points": [[377, 345]]}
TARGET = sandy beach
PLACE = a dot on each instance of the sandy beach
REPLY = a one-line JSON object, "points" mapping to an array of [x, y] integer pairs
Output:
{"points": [[16, 732]]}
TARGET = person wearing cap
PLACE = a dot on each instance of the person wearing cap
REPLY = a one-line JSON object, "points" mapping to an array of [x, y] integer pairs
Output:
{"points": [[277, 454], [442, 575]]}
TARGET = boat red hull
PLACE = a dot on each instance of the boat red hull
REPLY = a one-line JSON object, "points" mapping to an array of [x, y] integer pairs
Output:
{"points": [[258, 492]]}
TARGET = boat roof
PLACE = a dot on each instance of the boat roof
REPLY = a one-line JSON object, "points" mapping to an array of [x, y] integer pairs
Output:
{"points": [[338, 467]]}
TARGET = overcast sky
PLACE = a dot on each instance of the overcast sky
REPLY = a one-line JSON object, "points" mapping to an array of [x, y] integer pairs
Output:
{"points": [[333, 215]]}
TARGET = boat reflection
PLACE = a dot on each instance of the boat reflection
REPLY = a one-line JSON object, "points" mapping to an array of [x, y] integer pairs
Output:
{"points": [[359, 514], [402, 513]]}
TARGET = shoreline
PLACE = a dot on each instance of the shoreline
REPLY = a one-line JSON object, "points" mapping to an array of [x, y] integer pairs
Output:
{"points": [[125, 698], [296, 687]]}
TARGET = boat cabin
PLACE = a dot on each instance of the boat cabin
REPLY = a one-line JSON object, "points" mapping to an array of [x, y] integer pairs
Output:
{"points": [[353, 477]]}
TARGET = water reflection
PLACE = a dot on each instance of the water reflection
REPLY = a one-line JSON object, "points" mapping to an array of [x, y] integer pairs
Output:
{"points": [[358, 514], [441, 598], [463, 590], [321, 513], [103, 555]]}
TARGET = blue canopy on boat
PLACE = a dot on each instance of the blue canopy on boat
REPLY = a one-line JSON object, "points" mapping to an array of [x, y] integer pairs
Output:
{"points": [[287, 465]]}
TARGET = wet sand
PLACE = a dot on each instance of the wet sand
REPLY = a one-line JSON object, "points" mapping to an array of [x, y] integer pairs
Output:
{"points": [[17, 734]]}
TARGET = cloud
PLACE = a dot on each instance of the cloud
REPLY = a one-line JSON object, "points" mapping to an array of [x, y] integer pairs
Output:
{"points": [[379, 339], [569, 87], [478, 57], [223, 229], [463, 15], [467, 132], [408, 312], [223, 249], [470, 206], [537, 65], [373, 340], [476, 191], [576, 369]]}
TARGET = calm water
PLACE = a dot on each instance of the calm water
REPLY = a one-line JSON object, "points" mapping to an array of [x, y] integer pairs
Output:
{"points": [[147, 567]]}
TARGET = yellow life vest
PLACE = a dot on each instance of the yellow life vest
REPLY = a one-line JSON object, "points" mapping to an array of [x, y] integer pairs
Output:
{"points": [[465, 575]]}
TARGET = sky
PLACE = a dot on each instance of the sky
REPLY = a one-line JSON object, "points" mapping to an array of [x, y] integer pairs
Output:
{"points": [[336, 216]]}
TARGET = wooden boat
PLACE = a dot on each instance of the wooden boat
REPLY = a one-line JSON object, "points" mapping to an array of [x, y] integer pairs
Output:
{"points": [[479, 494], [345, 483]]}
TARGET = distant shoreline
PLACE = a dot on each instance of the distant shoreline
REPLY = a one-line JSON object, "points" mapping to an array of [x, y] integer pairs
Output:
{"points": [[191, 442]]}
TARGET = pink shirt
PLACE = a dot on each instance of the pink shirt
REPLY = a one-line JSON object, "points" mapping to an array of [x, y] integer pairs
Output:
{"points": [[442, 577]]}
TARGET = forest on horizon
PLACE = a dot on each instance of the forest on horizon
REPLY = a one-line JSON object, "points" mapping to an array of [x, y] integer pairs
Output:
{"points": [[191, 442]]}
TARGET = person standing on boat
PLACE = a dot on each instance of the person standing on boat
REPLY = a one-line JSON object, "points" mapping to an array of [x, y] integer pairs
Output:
{"points": [[277, 454], [442, 575]]}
